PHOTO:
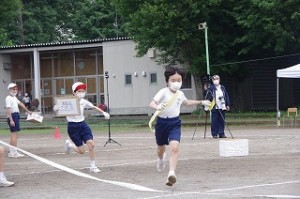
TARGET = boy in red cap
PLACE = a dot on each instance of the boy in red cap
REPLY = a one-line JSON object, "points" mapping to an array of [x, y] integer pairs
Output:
{"points": [[12, 105], [79, 132]]}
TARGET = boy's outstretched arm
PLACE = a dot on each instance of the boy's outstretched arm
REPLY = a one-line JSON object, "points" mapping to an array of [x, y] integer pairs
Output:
{"points": [[197, 102], [106, 115], [24, 108]]}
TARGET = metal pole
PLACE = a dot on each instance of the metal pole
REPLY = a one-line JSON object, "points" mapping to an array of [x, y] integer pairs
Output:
{"points": [[277, 103], [206, 49], [37, 76]]}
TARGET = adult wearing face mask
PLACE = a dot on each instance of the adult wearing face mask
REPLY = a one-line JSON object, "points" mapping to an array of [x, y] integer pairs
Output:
{"points": [[78, 130], [219, 94], [12, 105]]}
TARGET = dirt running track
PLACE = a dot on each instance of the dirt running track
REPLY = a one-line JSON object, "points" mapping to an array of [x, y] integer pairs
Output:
{"points": [[272, 169]]}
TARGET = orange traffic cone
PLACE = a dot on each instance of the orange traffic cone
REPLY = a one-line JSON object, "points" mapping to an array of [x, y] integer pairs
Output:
{"points": [[57, 133]]}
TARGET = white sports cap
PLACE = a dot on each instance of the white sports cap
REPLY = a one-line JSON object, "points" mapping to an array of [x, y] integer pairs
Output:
{"points": [[11, 85], [78, 85]]}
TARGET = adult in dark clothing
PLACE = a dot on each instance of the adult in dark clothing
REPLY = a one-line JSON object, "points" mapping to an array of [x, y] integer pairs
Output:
{"points": [[219, 95]]}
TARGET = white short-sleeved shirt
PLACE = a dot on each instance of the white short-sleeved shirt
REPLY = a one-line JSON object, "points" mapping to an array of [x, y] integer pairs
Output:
{"points": [[79, 118], [164, 95], [12, 102], [219, 94]]}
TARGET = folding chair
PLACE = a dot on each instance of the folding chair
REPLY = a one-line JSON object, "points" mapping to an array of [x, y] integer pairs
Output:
{"points": [[291, 112]]}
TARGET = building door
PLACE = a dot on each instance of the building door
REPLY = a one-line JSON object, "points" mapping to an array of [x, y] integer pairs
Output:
{"points": [[46, 95]]}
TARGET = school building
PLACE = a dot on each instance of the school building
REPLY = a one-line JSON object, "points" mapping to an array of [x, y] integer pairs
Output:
{"points": [[48, 70]]}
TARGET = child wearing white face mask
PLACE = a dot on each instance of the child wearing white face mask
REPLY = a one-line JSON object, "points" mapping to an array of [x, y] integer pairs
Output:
{"points": [[168, 126], [13, 117], [78, 130]]}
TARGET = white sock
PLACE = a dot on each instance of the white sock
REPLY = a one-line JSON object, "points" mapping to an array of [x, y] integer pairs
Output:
{"points": [[12, 150], [162, 158], [2, 177], [171, 173], [93, 163]]}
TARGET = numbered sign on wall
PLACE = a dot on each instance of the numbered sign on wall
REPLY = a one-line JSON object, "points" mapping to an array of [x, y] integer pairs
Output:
{"points": [[67, 106]]}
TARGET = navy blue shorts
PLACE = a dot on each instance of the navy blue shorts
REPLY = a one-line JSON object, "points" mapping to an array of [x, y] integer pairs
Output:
{"points": [[79, 132], [167, 129], [16, 119]]}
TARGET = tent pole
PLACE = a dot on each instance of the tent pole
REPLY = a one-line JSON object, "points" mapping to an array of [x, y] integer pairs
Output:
{"points": [[277, 103]]}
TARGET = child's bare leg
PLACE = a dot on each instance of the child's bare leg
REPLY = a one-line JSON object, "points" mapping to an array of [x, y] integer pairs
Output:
{"points": [[13, 142], [1, 159], [13, 138], [173, 162], [174, 155], [79, 149], [91, 146], [160, 151]]}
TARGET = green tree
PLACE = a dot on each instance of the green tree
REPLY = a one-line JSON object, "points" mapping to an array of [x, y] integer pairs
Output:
{"points": [[8, 18], [270, 26], [93, 20], [237, 30], [172, 27]]}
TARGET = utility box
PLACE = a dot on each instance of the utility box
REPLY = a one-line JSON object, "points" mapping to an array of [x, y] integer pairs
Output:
{"points": [[234, 147]]}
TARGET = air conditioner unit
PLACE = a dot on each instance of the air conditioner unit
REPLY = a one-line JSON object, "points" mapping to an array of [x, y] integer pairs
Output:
{"points": [[151, 53], [7, 66]]}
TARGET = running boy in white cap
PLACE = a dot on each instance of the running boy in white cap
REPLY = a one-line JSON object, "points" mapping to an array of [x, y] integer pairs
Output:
{"points": [[168, 125], [3, 181], [13, 117], [79, 132]]}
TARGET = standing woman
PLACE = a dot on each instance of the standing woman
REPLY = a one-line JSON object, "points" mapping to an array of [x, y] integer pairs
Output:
{"points": [[218, 94]]}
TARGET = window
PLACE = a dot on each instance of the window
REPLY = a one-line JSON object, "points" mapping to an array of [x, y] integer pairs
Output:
{"points": [[128, 80], [187, 82], [153, 78]]}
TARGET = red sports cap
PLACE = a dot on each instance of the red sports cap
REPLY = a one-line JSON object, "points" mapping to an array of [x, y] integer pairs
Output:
{"points": [[77, 86]]}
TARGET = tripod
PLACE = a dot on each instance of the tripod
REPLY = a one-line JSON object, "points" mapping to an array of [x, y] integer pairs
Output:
{"points": [[110, 140], [206, 116]]}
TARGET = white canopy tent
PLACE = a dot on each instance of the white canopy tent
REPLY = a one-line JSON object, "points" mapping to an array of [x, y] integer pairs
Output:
{"points": [[290, 72]]}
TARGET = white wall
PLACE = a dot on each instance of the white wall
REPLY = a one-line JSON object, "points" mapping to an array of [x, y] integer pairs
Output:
{"points": [[120, 59], [5, 78]]}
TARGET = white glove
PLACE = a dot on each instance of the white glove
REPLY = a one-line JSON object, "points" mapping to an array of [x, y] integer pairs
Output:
{"points": [[106, 115], [205, 103], [161, 106], [55, 108]]}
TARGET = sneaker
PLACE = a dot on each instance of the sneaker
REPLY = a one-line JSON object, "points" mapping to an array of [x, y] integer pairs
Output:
{"points": [[160, 165], [171, 179], [94, 170], [6, 183], [68, 146], [15, 155]]}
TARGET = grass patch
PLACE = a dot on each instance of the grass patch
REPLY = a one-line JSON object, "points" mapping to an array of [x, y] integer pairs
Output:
{"points": [[140, 123]]}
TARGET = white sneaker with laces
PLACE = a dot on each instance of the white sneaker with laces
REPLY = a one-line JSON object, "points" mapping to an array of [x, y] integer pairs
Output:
{"points": [[94, 170], [6, 183], [160, 165], [68, 146], [171, 179], [15, 155]]}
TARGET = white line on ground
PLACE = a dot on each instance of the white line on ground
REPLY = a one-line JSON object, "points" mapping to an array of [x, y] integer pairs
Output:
{"points": [[74, 172], [253, 186], [278, 196], [203, 194]]}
